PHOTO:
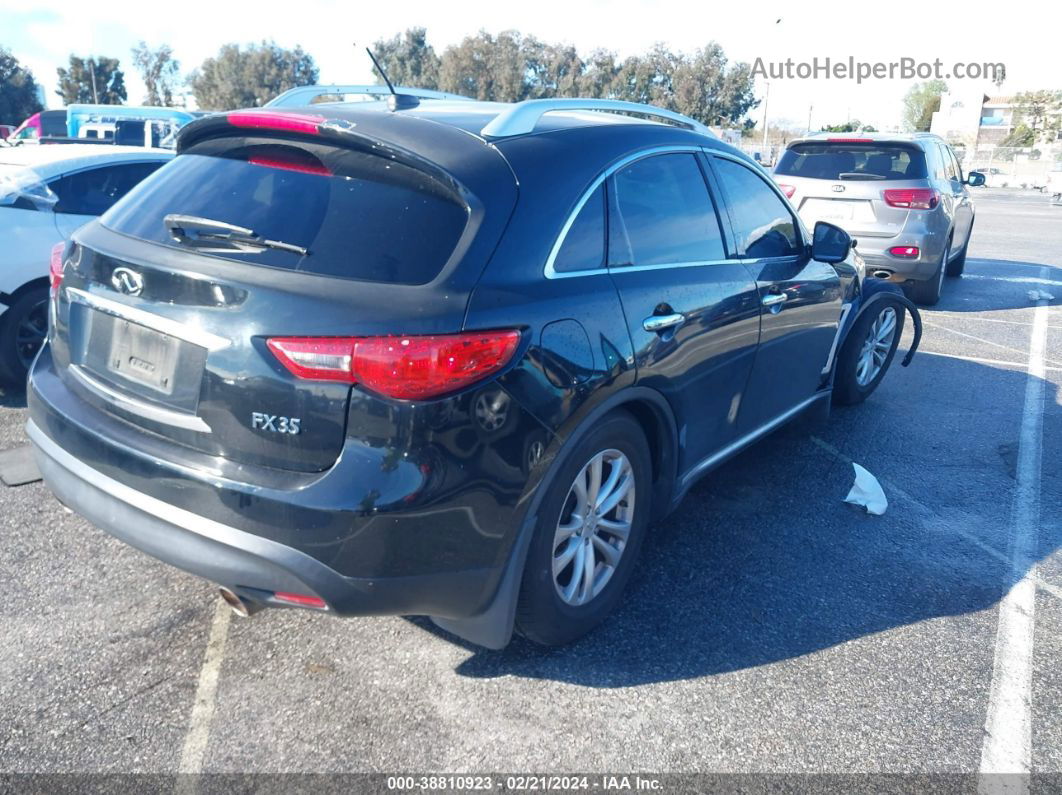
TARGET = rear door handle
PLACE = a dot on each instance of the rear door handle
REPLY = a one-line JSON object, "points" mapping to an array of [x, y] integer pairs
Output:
{"points": [[658, 323], [773, 299]]}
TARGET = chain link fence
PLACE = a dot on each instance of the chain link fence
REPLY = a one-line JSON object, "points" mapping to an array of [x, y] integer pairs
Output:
{"points": [[1011, 167]]}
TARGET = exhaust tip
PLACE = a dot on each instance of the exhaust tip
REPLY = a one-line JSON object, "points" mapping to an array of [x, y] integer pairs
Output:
{"points": [[244, 608], [881, 274]]}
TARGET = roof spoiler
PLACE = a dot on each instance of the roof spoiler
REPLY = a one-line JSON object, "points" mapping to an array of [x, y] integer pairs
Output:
{"points": [[304, 95]]}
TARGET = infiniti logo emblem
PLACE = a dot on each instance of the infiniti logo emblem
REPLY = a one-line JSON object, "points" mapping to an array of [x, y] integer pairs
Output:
{"points": [[128, 281]]}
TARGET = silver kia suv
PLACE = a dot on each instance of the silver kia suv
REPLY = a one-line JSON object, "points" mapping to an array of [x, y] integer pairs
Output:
{"points": [[902, 196]]}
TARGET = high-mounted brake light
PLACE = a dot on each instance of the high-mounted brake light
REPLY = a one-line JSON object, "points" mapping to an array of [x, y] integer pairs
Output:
{"points": [[788, 190], [290, 165], [55, 269], [912, 198], [850, 140], [905, 252], [406, 368], [272, 120]]}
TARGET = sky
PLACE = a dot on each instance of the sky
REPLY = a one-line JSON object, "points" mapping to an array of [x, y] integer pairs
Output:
{"points": [[44, 33]]}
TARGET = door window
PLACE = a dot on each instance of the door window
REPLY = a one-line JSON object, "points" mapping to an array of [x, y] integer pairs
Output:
{"points": [[662, 214], [93, 191], [763, 223], [950, 168]]}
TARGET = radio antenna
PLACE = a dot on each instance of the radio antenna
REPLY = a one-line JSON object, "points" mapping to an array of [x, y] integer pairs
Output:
{"points": [[396, 101]]}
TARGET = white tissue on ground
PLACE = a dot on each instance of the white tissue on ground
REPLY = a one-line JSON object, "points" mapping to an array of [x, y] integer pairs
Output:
{"points": [[866, 491], [1040, 295]]}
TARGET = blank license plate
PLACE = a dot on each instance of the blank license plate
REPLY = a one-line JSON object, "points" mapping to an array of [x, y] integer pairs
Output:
{"points": [[143, 355]]}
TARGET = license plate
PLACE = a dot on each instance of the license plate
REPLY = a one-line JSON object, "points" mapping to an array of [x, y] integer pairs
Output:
{"points": [[834, 211], [143, 356]]}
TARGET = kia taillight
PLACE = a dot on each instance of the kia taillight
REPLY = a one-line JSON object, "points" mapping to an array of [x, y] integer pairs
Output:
{"points": [[788, 190], [406, 368], [912, 198], [55, 268], [905, 252]]}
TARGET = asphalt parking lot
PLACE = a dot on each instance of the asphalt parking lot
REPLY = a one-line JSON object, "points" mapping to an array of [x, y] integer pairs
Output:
{"points": [[770, 627]]}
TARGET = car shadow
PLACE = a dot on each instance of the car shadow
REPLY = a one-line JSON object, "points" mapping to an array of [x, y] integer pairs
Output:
{"points": [[763, 562], [996, 284], [12, 397]]}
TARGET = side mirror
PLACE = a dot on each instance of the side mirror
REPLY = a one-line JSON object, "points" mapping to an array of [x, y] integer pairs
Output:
{"points": [[829, 243], [975, 179]]}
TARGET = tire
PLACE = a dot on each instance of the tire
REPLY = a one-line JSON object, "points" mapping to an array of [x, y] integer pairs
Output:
{"points": [[927, 292], [958, 265], [22, 330], [545, 614], [852, 384]]}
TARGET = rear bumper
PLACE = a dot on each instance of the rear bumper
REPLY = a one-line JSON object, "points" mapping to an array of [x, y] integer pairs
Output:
{"points": [[242, 561]]}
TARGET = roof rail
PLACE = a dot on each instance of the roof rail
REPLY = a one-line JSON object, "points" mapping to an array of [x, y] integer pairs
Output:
{"points": [[303, 95], [522, 117]]}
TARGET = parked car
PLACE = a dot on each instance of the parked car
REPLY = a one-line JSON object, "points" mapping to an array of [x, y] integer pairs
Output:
{"points": [[46, 192], [903, 197], [333, 358]]}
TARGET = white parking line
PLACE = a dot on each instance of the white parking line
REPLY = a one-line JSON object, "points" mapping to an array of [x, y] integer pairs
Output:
{"points": [[1000, 345], [981, 360], [195, 742], [1007, 745]]}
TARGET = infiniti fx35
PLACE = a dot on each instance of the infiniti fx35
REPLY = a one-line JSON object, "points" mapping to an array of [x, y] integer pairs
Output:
{"points": [[451, 360]]}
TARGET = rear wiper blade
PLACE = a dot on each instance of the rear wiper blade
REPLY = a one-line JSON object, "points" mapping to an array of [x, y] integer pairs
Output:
{"points": [[206, 233]]}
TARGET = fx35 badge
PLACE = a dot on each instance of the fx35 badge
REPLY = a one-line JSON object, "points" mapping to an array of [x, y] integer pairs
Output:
{"points": [[275, 424]]}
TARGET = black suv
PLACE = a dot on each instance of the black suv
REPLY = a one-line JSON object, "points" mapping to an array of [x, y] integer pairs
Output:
{"points": [[451, 359]]}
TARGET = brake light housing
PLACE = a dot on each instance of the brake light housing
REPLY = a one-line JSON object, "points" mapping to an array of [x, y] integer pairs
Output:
{"points": [[401, 367], [905, 252], [55, 269], [788, 190], [305, 123], [912, 198]]}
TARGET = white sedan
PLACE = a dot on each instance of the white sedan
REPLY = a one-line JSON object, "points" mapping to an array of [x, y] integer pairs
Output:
{"points": [[46, 192]]}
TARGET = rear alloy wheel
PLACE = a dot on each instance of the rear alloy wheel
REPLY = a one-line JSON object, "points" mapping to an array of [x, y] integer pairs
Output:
{"points": [[867, 353], [23, 328], [928, 292], [591, 524]]}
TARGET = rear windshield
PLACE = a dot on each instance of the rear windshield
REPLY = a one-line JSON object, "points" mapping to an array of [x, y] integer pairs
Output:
{"points": [[838, 161], [309, 208]]}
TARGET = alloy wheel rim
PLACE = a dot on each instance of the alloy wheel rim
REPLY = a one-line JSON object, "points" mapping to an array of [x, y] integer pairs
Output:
{"points": [[876, 346], [594, 527], [30, 333]]}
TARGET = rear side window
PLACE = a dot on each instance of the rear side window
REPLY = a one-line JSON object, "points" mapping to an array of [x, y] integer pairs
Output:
{"points": [[96, 190], [837, 161], [322, 210], [583, 248], [763, 224], [663, 214]]}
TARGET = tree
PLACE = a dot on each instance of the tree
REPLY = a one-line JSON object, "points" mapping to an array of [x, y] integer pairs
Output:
{"points": [[18, 90], [408, 59], [705, 89], [1039, 113], [158, 69], [920, 102], [76, 83], [246, 78]]}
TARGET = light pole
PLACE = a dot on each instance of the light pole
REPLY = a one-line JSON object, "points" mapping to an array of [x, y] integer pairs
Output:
{"points": [[766, 97], [92, 76]]}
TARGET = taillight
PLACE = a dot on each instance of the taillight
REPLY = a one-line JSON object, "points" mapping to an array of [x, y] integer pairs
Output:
{"points": [[406, 368], [55, 269], [905, 252], [850, 140], [273, 120], [912, 198], [788, 190]]}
